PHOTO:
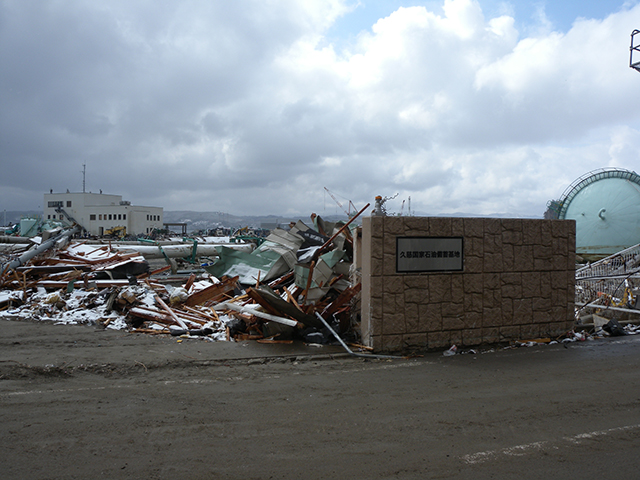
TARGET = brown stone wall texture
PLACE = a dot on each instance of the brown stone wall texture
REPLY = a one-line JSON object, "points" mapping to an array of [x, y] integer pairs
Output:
{"points": [[517, 283]]}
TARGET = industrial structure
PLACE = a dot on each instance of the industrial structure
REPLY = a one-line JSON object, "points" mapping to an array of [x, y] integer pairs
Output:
{"points": [[634, 51], [99, 213], [605, 204]]}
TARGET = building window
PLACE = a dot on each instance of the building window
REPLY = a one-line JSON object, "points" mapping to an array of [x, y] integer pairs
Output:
{"points": [[49, 217], [54, 204], [119, 216], [92, 216], [53, 216], [100, 217], [109, 216], [68, 203], [124, 216]]}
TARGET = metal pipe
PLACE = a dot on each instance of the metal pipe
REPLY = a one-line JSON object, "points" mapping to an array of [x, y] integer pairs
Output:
{"points": [[43, 247], [607, 307], [346, 347], [253, 311]]}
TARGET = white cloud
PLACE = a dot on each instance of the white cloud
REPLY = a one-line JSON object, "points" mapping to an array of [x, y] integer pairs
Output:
{"points": [[246, 107]]}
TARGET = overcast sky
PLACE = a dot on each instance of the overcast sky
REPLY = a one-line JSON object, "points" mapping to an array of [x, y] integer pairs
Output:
{"points": [[254, 107]]}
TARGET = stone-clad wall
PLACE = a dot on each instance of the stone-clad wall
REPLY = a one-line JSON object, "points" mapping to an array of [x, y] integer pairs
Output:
{"points": [[517, 283]]}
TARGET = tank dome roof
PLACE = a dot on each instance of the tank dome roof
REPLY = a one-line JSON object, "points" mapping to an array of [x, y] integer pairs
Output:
{"points": [[605, 204]]}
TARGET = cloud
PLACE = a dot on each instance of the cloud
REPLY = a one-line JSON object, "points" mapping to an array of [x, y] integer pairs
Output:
{"points": [[249, 108]]}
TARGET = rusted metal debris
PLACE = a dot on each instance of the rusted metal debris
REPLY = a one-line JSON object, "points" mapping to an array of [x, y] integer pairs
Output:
{"points": [[114, 288]]}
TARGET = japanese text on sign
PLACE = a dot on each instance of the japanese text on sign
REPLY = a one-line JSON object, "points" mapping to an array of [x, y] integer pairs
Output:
{"points": [[429, 254]]}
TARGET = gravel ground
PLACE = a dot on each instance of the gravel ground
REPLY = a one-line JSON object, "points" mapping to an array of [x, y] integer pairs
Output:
{"points": [[78, 403]]}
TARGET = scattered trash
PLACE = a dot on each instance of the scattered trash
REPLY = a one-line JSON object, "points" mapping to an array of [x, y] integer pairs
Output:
{"points": [[614, 329], [452, 351]]}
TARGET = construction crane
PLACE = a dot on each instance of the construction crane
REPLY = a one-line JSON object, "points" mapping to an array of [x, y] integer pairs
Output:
{"points": [[635, 47], [351, 205]]}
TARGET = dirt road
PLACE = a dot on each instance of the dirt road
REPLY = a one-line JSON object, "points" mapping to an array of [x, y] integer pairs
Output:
{"points": [[76, 403]]}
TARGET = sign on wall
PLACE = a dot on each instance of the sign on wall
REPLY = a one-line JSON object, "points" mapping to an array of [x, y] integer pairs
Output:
{"points": [[429, 254]]}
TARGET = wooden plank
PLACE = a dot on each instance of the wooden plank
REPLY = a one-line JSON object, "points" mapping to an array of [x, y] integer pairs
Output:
{"points": [[344, 298], [213, 294]]}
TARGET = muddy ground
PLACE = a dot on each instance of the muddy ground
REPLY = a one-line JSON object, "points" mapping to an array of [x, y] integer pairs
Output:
{"points": [[79, 403]]}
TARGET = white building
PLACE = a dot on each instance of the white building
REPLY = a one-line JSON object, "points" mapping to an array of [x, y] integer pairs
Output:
{"points": [[97, 213]]}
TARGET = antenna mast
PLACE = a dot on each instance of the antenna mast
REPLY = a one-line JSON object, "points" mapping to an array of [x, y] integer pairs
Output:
{"points": [[84, 176]]}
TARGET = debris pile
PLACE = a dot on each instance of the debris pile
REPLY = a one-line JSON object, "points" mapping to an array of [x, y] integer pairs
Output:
{"points": [[283, 289], [608, 290]]}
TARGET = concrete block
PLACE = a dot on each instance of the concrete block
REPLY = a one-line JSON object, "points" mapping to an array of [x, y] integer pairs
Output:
{"points": [[389, 266], [392, 303], [473, 303], [457, 287], [492, 280], [440, 287], [375, 267], [473, 246], [412, 318], [509, 262], [416, 227], [490, 335], [473, 264], [531, 285], [523, 255], [493, 243], [430, 317], [389, 245], [473, 283], [416, 295], [375, 224], [418, 340], [545, 232], [472, 337], [439, 339], [393, 324], [491, 317], [542, 252], [472, 320], [456, 338], [492, 226], [452, 322], [393, 284], [392, 343], [457, 227], [531, 232], [375, 342], [377, 247], [530, 331], [511, 285], [473, 227], [416, 281], [377, 284], [440, 226], [507, 312], [522, 311], [542, 264], [393, 226], [510, 333], [512, 237]]}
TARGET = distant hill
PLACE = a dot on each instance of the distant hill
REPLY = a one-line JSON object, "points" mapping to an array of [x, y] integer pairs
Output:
{"points": [[208, 220], [12, 217]]}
